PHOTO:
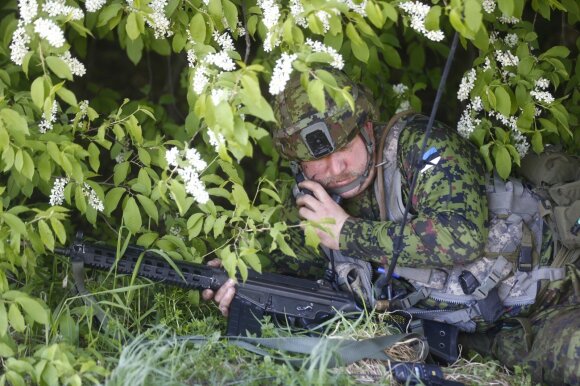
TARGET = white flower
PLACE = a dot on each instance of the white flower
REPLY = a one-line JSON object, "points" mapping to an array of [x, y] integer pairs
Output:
{"points": [[542, 83], [194, 158], [488, 6], [296, 9], [240, 30], [193, 185], [400, 89], [467, 123], [511, 40], [493, 36], [191, 58], [508, 20], [46, 122], [282, 71], [94, 5], [216, 140], [59, 8], [358, 8], [222, 60], [477, 104], [219, 95], [466, 85], [521, 142], [337, 61], [271, 12], [324, 18], [28, 10], [158, 21], [271, 41], [506, 58], [76, 67], [47, 29], [418, 11], [57, 191], [84, 108], [486, 65], [200, 79], [542, 96], [94, 200], [19, 44], [171, 156], [224, 40]]}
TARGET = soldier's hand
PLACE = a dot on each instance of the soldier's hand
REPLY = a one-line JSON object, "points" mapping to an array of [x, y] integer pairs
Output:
{"points": [[224, 295], [320, 206]]}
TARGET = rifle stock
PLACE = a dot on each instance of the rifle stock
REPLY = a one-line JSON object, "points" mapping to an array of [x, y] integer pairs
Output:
{"points": [[299, 302]]}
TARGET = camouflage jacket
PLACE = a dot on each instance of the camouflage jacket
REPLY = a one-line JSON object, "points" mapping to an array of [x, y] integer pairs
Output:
{"points": [[449, 205]]}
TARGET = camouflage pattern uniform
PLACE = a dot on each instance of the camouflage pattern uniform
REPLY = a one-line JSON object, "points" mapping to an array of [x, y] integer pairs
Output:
{"points": [[449, 227]]}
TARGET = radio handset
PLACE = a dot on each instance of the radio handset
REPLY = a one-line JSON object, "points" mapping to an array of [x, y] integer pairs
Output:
{"points": [[297, 191]]}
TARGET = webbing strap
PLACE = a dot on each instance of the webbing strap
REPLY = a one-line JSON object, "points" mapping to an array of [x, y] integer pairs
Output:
{"points": [[345, 351], [78, 272], [413, 298], [492, 279], [525, 279]]}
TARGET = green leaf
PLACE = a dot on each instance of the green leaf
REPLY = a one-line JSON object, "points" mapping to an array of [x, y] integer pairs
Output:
{"points": [[537, 143], [108, 12], [506, 7], [149, 207], [503, 101], [231, 171], [18, 160], [3, 320], [58, 229], [132, 216], [134, 49], [67, 96], [432, 18], [272, 194], [59, 67], [316, 94], [120, 172], [311, 237], [197, 28], [112, 199], [503, 161], [15, 318], [556, 51], [37, 92], [230, 13], [132, 26], [219, 225], [375, 14], [94, 155], [180, 197], [208, 224], [14, 121], [15, 224], [35, 309], [194, 225], [46, 234], [240, 196]]}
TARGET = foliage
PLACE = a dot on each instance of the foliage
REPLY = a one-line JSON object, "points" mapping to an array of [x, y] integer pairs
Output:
{"points": [[170, 148]]}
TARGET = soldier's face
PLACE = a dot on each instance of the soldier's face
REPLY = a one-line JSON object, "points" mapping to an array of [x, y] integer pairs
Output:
{"points": [[342, 167]]}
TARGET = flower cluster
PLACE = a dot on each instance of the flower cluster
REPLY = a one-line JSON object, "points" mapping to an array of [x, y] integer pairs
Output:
{"points": [[281, 74], [188, 164], [216, 140], [57, 191], [271, 12], [418, 11], [94, 5], [28, 10], [76, 67], [48, 30], [358, 8], [488, 6], [219, 95], [158, 21], [466, 85], [221, 60], [337, 61], [19, 45], [468, 121], [540, 94], [94, 201], [296, 10], [508, 20], [46, 122], [324, 18], [511, 40], [506, 58], [59, 8]]}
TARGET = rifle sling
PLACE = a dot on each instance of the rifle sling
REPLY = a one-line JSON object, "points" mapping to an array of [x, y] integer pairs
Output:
{"points": [[78, 273], [345, 351]]}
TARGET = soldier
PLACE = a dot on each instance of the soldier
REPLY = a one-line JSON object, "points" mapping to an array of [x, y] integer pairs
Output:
{"points": [[371, 166]]}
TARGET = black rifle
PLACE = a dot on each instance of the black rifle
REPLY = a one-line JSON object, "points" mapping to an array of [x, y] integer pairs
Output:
{"points": [[287, 300]]}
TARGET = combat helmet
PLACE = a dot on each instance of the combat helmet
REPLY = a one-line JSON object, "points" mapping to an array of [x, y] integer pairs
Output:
{"points": [[306, 134]]}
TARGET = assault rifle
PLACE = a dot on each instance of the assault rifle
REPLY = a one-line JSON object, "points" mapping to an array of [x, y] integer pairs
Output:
{"points": [[288, 300]]}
